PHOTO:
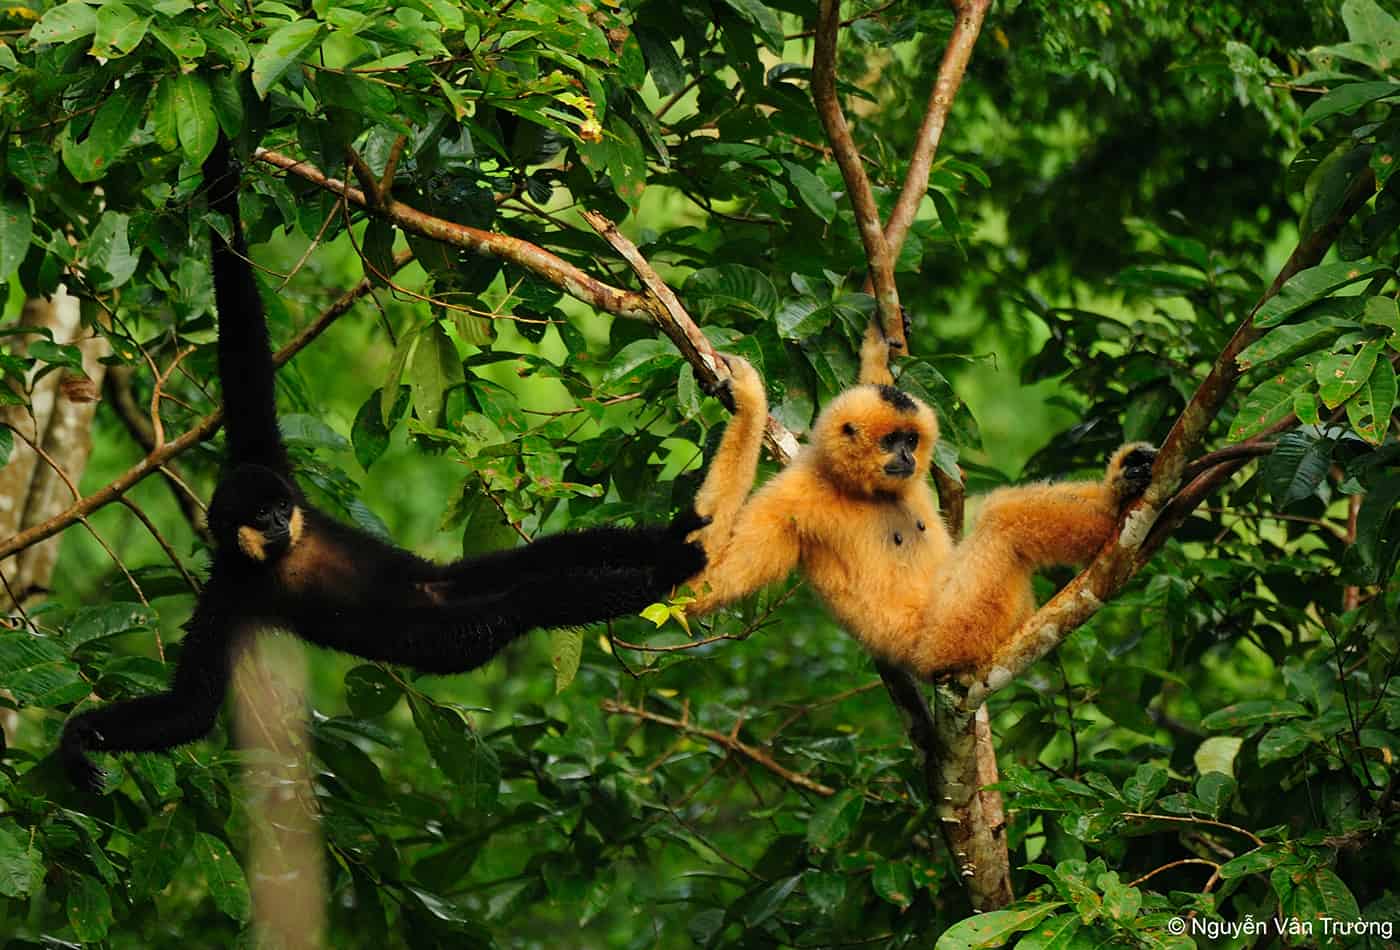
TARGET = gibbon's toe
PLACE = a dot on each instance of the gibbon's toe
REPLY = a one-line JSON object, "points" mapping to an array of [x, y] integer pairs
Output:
{"points": [[1130, 470]]}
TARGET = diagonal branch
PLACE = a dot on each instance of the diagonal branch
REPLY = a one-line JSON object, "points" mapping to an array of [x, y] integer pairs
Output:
{"points": [[877, 250], [730, 742], [533, 258], [203, 430], [1122, 557], [676, 323]]}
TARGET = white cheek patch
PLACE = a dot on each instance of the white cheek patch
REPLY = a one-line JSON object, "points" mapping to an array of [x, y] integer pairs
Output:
{"points": [[295, 525], [250, 542]]}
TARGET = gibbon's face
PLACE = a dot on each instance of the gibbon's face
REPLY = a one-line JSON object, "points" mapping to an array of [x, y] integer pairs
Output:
{"points": [[875, 440], [255, 511]]}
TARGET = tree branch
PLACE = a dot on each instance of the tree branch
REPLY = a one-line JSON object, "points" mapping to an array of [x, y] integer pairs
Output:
{"points": [[671, 316], [878, 254], [731, 742], [1137, 540], [533, 258]]}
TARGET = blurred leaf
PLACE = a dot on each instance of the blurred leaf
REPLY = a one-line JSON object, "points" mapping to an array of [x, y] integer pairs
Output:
{"points": [[222, 875], [280, 53], [566, 650]]}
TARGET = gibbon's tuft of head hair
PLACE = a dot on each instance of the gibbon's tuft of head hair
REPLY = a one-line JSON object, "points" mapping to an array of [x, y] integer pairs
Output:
{"points": [[852, 445]]}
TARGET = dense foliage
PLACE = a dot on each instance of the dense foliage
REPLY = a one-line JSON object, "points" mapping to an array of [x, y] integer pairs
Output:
{"points": [[1117, 186]]}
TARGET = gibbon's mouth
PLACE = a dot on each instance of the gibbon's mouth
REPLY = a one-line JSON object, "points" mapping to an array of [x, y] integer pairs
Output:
{"points": [[899, 469]]}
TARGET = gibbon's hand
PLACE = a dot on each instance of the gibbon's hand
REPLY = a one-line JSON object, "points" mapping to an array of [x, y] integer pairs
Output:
{"points": [[1130, 470], [84, 773]]}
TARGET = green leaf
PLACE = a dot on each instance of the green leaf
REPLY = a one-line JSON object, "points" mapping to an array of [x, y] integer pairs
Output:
{"points": [[1254, 862], [111, 132], [812, 190], [281, 51], [21, 867], [7, 445], [834, 819], [1057, 933], [995, 928], [368, 434], [436, 368], [1383, 312], [1215, 789], [1376, 543], [1297, 465], [183, 41], [1341, 375], [222, 875], [1368, 23], [824, 889], [159, 851], [119, 30], [1370, 411], [1282, 742], [1294, 339], [110, 260], [16, 230], [955, 419], [1141, 790], [565, 652], [371, 691], [89, 908], [1253, 712], [459, 751], [64, 23], [1338, 902], [162, 120], [712, 291], [893, 884], [195, 121], [1271, 401], [770, 900], [1347, 98], [763, 19], [37, 671], [1311, 285]]}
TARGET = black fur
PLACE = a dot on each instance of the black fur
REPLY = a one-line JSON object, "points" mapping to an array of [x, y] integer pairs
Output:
{"points": [[360, 595], [898, 398]]}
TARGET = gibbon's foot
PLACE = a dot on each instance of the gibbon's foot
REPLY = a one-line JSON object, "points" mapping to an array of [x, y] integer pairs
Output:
{"points": [[78, 738], [721, 389], [1130, 470]]}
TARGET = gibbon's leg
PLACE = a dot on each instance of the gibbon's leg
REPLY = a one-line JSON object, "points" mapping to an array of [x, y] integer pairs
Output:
{"points": [[984, 593], [735, 464], [762, 548], [183, 713]]}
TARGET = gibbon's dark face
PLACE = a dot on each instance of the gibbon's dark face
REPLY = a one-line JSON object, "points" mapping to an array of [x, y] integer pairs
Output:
{"points": [[256, 512], [875, 440]]}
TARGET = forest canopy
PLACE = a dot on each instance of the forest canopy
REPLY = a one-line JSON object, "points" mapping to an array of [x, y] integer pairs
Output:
{"points": [[501, 245]]}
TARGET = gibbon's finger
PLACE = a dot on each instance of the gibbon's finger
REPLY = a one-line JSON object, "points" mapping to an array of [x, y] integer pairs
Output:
{"points": [[687, 521]]}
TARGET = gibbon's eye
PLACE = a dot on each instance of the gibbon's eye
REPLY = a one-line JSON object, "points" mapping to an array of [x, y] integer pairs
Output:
{"points": [[848, 430]]}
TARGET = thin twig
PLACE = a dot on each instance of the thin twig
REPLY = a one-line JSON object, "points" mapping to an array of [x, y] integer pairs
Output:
{"points": [[732, 743]]}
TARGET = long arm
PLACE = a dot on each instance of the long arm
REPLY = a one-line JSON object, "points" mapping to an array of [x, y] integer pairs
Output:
{"points": [[735, 464], [183, 713], [763, 546], [245, 353]]}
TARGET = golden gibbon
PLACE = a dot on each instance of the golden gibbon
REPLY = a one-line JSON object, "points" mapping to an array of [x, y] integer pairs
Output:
{"points": [[856, 512]]}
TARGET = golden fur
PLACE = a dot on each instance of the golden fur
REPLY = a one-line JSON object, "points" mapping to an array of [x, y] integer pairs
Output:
{"points": [[872, 544]]}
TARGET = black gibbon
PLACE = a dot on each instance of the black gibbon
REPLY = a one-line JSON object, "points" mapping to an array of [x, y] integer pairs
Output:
{"points": [[279, 562], [856, 512]]}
